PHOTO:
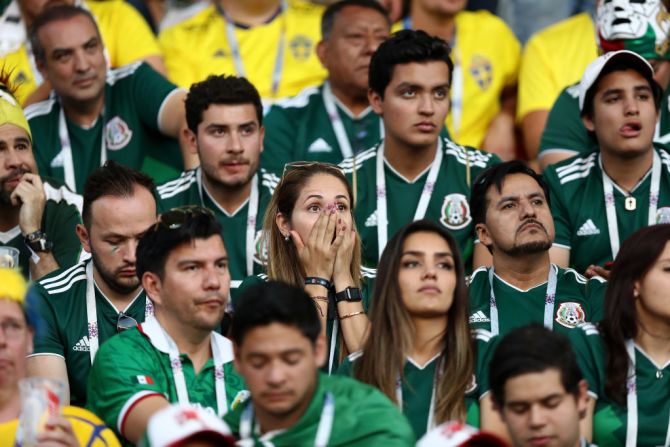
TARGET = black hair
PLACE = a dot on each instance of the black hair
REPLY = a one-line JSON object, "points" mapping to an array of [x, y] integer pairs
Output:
{"points": [[174, 228], [404, 47], [275, 302], [532, 349], [56, 14], [330, 14], [495, 176], [220, 89], [112, 179]]}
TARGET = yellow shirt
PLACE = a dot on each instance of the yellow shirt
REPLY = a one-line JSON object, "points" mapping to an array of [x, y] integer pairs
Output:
{"points": [[488, 54], [553, 59], [198, 47], [126, 36]]}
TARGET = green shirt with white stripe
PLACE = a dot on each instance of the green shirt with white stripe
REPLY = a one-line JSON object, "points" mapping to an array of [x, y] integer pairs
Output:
{"points": [[363, 417], [59, 221], [136, 364], [134, 97], [188, 189], [609, 418], [449, 203], [577, 300], [578, 207], [61, 300]]}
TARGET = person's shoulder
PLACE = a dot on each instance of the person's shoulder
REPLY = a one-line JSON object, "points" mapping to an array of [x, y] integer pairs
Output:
{"points": [[477, 276], [571, 275], [40, 110], [126, 72], [574, 170], [117, 8], [358, 161], [586, 334], [355, 393], [482, 21], [200, 21], [468, 156], [553, 35], [59, 193], [131, 343], [298, 103], [664, 153], [305, 9], [63, 283], [177, 185], [268, 180]]}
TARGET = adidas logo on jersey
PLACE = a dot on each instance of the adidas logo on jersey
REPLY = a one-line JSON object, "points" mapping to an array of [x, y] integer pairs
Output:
{"points": [[82, 345], [588, 229], [319, 145], [479, 317], [371, 221]]}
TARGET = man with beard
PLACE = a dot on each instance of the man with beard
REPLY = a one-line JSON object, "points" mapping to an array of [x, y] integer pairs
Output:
{"points": [[86, 304], [510, 210], [175, 356], [225, 129], [37, 216]]}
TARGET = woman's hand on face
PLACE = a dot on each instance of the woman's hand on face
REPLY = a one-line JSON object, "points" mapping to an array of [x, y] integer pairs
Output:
{"points": [[345, 254], [318, 254]]}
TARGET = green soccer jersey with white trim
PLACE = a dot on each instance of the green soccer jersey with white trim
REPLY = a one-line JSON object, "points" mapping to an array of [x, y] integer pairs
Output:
{"points": [[59, 221], [136, 364], [134, 97], [61, 300], [188, 189], [363, 417], [565, 131], [417, 385], [610, 418], [577, 300], [578, 207], [449, 202]]}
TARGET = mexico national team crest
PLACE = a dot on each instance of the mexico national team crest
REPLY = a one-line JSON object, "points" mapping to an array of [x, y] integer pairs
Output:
{"points": [[455, 212], [260, 249], [663, 215], [117, 134], [570, 315]]}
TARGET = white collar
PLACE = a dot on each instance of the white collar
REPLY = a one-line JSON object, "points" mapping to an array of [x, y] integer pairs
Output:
{"points": [[6, 236]]}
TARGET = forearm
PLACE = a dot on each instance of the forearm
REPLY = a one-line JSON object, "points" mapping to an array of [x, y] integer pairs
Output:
{"points": [[44, 264], [354, 323]]}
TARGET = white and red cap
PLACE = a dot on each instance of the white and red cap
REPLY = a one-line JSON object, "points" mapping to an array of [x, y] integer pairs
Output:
{"points": [[175, 425]]}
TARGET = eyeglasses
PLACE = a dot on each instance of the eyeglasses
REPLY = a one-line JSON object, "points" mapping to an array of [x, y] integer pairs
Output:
{"points": [[125, 322], [177, 217], [292, 166]]}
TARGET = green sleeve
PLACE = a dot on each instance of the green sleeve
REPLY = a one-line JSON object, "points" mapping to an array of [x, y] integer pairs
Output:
{"points": [[47, 340], [280, 139], [564, 130], [585, 339], [558, 208], [246, 283], [60, 223], [595, 294], [150, 89], [486, 345]]}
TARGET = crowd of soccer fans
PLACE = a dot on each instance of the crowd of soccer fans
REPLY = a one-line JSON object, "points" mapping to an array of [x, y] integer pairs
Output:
{"points": [[335, 223]]}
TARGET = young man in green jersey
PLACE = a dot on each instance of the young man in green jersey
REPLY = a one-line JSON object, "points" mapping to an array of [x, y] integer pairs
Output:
{"points": [[538, 389], [333, 121], [175, 356], [38, 216], [279, 347], [599, 199], [225, 129], [413, 173], [131, 115], [512, 217], [86, 304]]}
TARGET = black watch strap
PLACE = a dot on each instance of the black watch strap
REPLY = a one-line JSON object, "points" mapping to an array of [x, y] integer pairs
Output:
{"points": [[349, 294], [38, 242]]}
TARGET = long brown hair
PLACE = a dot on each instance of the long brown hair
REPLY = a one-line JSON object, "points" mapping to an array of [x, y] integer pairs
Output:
{"points": [[637, 256], [392, 334], [283, 263]]}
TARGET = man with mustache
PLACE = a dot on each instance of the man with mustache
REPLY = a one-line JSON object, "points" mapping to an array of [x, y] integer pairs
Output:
{"points": [[510, 210], [37, 216], [225, 129], [175, 356], [86, 304]]}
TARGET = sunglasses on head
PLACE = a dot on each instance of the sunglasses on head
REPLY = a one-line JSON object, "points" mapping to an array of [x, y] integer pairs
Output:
{"points": [[295, 165], [177, 217]]}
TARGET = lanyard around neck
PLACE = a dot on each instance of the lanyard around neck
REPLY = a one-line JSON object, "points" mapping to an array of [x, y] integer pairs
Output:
{"points": [[422, 206], [92, 312], [323, 430], [252, 215], [235, 46], [631, 400], [610, 206], [66, 149], [549, 301]]}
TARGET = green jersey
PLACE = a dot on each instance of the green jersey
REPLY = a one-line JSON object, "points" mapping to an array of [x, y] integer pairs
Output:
{"points": [[59, 221], [576, 300], [444, 188], [565, 131], [362, 417], [134, 97], [577, 192], [62, 303], [416, 395], [610, 420], [241, 230], [136, 364]]}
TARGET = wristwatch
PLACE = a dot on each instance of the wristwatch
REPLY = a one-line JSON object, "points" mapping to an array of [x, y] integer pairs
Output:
{"points": [[38, 242], [349, 294]]}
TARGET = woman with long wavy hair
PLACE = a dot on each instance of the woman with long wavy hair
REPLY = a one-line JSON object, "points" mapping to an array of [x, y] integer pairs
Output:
{"points": [[312, 242], [626, 358], [419, 351]]}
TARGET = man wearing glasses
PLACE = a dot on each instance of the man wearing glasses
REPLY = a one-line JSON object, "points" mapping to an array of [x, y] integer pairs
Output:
{"points": [[86, 304], [174, 356]]}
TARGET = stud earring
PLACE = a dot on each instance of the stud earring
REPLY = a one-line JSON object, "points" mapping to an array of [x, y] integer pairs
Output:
{"points": [[287, 237]]}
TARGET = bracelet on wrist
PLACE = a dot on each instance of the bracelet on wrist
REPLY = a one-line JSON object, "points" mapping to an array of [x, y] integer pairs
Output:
{"points": [[316, 281], [353, 314]]}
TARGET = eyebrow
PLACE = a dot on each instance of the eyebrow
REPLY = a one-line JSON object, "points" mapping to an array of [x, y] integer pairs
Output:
{"points": [[515, 198], [215, 125], [441, 254], [637, 88], [183, 262], [320, 197], [404, 85]]}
